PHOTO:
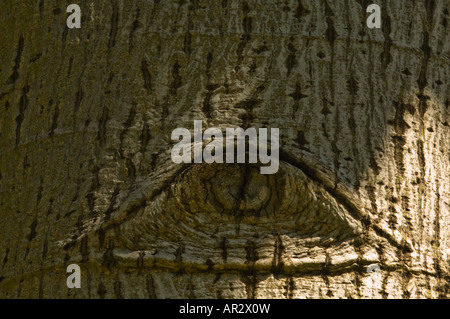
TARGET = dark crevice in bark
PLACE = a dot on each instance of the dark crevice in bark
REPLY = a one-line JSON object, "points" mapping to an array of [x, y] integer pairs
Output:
{"points": [[289, 287], [69, 68], [25, 164], [382, 258], [117, 288], [423, 99], [15, 73], [33, 226], [245, 38], [41, 287], [399, 139], [5, 259], [126, 126], [140, 262], [39, 192], [101, 237], [131, 168], [430, 6], [114, 25], [112, 203], [359, 271], [406, 72], [151, 290], [422, 83], [146, 76], [23, 104], [277, 260], [108, 257], [223, 248], [90, 196], [78, 99], [249, 275], [209, 60], [422, 80], [251, 283], [386, 56], [406, 278], [54, 121], [209, 264], [331, 36], [368, 132], [177, 79], [207, 108], [217, 278], [406, 210], [64, 35], [50, 210], [353, 88], [179, 258], [384, 283], [297, 95], [373, 164], [300, 11], [248, 105], [144, 137], [421, 157], [41, 7], [392, 218], [291, 60], [44, 248], [187, 35], [165, 110], [371, 193], [19, 288], [101, 136], [191, 289], [302, 141], [330, 33], [35, 58], [224, 4], [134, 27], [194, 5], [101, 291], [243, 188], [326, 272], [436, 242], [404, 258], [136, 208], [79, 225], [84, 249]]}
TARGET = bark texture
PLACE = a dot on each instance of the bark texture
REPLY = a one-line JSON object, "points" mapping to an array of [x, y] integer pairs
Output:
{"points": [[86, 177]]}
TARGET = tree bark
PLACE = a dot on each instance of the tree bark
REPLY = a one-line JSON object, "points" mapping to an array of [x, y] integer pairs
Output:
{"points": [[86, 176]]}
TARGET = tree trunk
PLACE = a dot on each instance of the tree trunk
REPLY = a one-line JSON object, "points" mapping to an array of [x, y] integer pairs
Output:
{"points": [[86, 175]]}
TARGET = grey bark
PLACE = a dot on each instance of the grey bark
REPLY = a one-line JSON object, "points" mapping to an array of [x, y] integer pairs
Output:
{"points": [[86, 175]]}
